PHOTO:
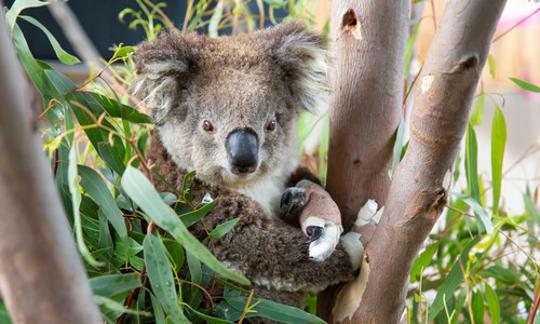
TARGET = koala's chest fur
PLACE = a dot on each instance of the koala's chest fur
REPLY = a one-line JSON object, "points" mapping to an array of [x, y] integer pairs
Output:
{"points": [[267, 191]]}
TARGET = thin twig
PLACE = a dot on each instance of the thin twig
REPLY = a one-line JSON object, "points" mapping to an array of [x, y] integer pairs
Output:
{"points": [[246, 306], [496, 38]]}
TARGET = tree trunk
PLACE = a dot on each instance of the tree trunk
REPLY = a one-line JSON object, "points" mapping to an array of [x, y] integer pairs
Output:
{"points": [[418, 191], [41, 276], [368, 46]]}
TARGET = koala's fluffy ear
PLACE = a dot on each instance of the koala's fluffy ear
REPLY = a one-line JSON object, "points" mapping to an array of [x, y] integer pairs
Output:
{"points": [[159, 66], [301, 55]]}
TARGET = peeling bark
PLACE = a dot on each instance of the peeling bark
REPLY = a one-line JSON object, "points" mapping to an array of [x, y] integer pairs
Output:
{"points": [[41, 275], [417, 193]]}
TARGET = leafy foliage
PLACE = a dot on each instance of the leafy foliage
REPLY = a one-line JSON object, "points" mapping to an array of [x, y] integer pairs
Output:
{"points": [[145, 266]]}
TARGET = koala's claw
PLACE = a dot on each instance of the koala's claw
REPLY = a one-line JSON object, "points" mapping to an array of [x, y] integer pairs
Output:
{"points": [[314, 232], [293, 201]]}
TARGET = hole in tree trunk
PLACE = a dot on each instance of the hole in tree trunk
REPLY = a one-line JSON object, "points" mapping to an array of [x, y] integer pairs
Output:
{"points": [[351, 24]]}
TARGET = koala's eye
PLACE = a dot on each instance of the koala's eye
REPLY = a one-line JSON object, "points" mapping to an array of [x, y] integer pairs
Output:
{"points": [[270, 126], [207, 126]]}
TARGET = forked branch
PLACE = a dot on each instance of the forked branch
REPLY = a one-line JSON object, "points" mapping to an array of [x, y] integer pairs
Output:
{"points": [[418, 194]]}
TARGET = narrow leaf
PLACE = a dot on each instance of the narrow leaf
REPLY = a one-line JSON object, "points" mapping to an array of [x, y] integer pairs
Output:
{"points": [[491, 65], [18, 6], [498, 143], [477, 114], [526, 85], [223, 228], [471, 163], [96, 188], [62, 55], [493, 304], [141, 191], [76, 202], [453, 279], [111, 285], [161, 277], [480, 213], [274, 311]]}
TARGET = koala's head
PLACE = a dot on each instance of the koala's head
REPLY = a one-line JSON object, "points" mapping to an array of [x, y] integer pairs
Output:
{"points": [[227, 107]]}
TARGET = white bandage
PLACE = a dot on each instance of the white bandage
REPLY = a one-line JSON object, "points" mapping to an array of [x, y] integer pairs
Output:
{"points": [[322, 248], [354, 247], [366, 213]]}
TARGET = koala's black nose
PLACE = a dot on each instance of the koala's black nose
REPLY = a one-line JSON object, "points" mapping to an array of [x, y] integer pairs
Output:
{"points": [[242, 150]]}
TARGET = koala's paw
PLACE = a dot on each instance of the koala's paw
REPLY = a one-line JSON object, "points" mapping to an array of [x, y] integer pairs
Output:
{"points": [[323, 237], [293, 200]]}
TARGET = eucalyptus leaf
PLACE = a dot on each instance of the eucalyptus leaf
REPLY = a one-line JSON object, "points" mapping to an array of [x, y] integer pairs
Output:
{"points": [[161, 278], [498, 143], [62, 55], [114, 284], [140, 190]]}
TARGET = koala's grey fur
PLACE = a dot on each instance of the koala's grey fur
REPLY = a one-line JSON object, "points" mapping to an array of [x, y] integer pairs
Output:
{"points": [[241, 81]]}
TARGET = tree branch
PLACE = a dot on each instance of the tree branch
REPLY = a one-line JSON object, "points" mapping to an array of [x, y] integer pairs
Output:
{"points": [[369, 40], [41, 276], [417, 194], [368, 48]]}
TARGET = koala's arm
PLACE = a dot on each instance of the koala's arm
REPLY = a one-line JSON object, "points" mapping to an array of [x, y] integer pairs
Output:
{"points": [[273, 254]]}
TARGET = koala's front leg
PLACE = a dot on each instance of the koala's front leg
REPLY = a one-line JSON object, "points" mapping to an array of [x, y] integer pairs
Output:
{"points": [[318, 215], [273, 254]]}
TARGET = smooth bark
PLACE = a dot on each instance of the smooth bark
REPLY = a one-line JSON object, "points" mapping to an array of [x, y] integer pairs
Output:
{"points": [[367, 46], [41, 275], [418, 193]]}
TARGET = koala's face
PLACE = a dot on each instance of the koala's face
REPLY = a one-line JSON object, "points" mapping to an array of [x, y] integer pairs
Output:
{"points": [[227, 107]]}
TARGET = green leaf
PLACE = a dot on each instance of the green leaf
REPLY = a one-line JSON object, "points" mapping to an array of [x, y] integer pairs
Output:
{"points": [[471, 164], [4, 315], [207, 318], [223, 228], [194, 216], [161, 278], [452, 281], [141, 191], [498, 143], [477, 114], [493, 304], [176, 252], [274, 311], [111, 285], [116, 307], [76, 202], [423, 261], [62, 55], [113, 154], [116, 109], [491, 64], [18, 6], [159, 315], [478, 308], [123, 52], [526, 85], [481, 214], [398, 145], [100, 194]]}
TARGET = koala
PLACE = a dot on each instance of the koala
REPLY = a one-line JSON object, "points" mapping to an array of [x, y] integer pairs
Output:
{"points": [[227, 108]]}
